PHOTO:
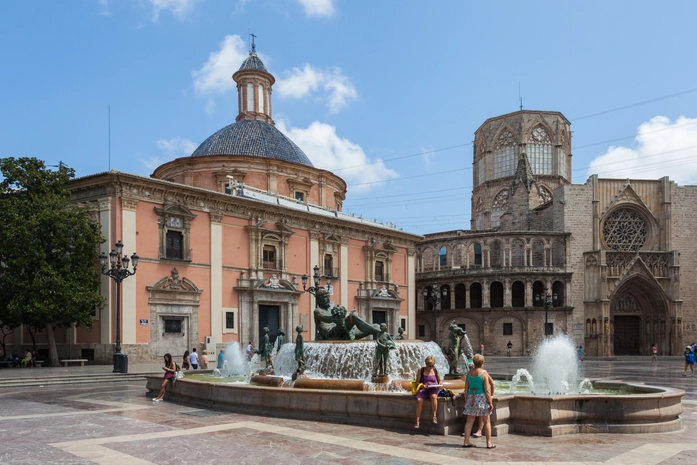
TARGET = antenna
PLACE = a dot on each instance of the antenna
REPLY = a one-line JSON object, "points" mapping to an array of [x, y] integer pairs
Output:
{"points": [[109, 111], [520, 98]]}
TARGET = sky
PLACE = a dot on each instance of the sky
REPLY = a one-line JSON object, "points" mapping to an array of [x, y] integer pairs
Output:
{"points": [[385, 94]]}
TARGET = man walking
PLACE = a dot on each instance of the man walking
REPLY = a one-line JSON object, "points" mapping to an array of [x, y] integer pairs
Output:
{"points": [[509, 346], [193, 359]]}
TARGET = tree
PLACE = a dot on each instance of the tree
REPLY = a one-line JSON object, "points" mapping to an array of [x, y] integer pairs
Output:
{"points": [[48, 271]]}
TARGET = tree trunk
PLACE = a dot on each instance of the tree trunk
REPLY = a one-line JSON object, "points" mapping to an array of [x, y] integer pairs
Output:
{"points": [[52, 351]]}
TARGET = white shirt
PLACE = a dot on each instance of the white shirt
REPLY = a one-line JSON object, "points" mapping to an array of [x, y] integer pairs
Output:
{"points": [[193, 358]]}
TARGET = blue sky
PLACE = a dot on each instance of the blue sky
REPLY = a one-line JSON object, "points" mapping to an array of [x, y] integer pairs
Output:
{"points": [[385, 94]]}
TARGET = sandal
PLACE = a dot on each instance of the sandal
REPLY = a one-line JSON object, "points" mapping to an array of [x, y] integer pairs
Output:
{"points": [[417, 426], [466, 446], [435, 420], [493, 446], [476, 435]]}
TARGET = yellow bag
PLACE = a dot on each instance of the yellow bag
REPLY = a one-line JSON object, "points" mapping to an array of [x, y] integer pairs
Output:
{"points": [[415, 387]]}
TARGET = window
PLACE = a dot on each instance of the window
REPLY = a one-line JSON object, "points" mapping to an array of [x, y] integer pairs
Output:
{"points": [[379, 271], [403, 323], [518, 294], [328, 265], [229, 320], [476, 295], [174, 247], [250, 96], [539, 151], [460, 296], [443, 256], [422, 331], [508, 329], [496, 294], [549, 329], [499, 207], [300, 196], [269, 258], [477, 254], [505, 155], [261, 99], [173, 325]]}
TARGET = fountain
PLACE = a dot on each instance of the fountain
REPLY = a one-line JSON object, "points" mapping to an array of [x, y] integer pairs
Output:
{"points": [[337, 386]]}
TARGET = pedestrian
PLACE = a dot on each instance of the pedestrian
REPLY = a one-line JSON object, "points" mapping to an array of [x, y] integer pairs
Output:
{"points": [[689, 361], [509, 346], [580, 353], [480, 427], [249, 351], [193, 359], [654, 351], [185, 361], [481, 349], [221, 358], [170, 372], [479, 400], [430, 380], [204, 360]]}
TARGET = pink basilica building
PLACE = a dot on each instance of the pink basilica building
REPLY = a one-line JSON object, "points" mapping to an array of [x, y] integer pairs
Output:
{"points": [[224, 237]]}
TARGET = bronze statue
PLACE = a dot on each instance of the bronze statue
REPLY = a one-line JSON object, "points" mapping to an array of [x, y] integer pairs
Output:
{"points": [[382, 351], [454, 346], [280, 340], [300, 351], [400, 334], [336, 325], [266, 348]]}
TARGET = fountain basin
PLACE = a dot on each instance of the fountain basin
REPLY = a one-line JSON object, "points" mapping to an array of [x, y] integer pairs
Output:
{"points": [[649, 409]]}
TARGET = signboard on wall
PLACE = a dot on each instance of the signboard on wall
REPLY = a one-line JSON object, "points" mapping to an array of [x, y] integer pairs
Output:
{"points": [[143, 322]]}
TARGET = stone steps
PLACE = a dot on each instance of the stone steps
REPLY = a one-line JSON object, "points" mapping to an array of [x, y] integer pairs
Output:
{"points": [[77, 379]]}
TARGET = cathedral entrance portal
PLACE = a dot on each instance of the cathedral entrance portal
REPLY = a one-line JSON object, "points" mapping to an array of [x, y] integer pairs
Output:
{"points": [[627, 335]]}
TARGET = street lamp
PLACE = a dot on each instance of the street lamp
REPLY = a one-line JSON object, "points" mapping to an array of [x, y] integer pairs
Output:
{"points": [[116, 267], [432, 297], [546, 305], [315, 278]]}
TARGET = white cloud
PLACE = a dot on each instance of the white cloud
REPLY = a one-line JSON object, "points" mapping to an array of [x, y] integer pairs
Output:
{"points": [[215, 76], [176, 147], [662, 149], [334, 86], [318, 7], [210, 106], [178, 8], [328, 151], [104, 7]]}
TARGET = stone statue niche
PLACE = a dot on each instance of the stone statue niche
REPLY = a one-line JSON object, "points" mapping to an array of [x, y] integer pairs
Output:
{"points": [[336, 325]]}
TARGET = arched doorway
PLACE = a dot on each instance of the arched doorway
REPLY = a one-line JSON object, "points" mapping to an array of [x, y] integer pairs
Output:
{"points": [[640, 318]]}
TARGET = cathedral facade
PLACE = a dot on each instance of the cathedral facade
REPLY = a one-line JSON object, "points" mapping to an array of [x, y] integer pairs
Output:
{"points": [[600, 262]]}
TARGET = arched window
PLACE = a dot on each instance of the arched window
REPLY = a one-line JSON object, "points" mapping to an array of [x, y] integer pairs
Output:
{"points": [[518, 294], [477, 254], [476, 295], [499, 207], [558, 294], [588, 327], [539, 150], [445, 294], [538, 253], [505, 155], [496, 295], [261, 99], [250, 96], [428, 305], [538, 294], [443, 256], [495, 254], [460, 297], [518, 254]]}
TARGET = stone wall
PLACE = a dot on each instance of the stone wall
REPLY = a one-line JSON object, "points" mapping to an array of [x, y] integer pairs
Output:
{"points": [[684, 226]]}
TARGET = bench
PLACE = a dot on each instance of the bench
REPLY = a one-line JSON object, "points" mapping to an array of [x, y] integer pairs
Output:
{"points": [[38, 363], [7, 363], [81, 361]]}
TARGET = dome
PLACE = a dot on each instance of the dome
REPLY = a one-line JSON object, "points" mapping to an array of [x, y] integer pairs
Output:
{"points": [[252, 138], [253, 62]]}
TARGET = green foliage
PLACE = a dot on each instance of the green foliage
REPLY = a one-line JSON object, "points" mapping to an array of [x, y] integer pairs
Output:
{"points": [[48, 273]]}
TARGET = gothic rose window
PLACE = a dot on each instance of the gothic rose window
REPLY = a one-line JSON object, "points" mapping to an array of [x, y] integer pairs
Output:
{"points": [[625, 231]]}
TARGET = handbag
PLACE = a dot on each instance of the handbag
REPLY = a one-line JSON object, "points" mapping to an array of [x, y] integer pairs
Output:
{"points": [[179, 375]]}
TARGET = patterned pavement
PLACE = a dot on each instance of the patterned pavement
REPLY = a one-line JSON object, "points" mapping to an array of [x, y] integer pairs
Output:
{"points": [[115, 423]]}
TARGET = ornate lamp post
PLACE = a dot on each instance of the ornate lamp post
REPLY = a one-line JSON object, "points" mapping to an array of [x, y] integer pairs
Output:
{"points": [[116, 267], [432, 297], [546, 296], [315, 279]]}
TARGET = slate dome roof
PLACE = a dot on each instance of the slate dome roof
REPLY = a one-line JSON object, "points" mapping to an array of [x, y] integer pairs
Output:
{"points": [[253, 62], [252, 138]]}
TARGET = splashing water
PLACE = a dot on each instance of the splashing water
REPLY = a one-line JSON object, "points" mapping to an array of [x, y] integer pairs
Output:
{"points": [[516, 381], [354, 360], [555, 367]]}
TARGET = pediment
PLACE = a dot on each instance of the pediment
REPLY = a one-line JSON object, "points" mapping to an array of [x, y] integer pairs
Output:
{"points": [[174, 283], [175, 209], [628, 196], [637, 267]]}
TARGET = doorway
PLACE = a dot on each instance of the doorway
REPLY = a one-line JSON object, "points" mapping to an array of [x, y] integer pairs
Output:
{"points": [[269, 318], [627, 335], [379, 317]]}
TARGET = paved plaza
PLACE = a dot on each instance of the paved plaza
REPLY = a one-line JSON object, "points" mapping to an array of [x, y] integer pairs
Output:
{"points": [[116, 423]]}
